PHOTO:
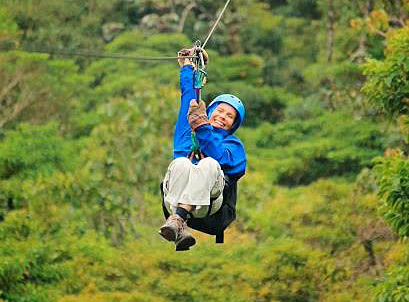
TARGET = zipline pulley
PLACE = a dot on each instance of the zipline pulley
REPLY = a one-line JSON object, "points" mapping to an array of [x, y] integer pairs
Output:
{"points": [[199, 80], [199, 76]]}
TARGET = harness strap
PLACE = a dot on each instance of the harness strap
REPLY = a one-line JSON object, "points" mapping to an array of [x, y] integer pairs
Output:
{"points": [[220, 237], [195, 149], [198, 155], [210, 206]]}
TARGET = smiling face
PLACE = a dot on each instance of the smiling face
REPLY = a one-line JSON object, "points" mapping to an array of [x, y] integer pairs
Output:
{"points": [[223, 116]]}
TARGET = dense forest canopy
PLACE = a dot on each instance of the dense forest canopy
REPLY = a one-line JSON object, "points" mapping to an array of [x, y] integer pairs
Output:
{"points": [[323, 210]]}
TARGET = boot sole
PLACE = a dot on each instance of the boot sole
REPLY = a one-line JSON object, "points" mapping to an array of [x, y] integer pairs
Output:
{"points": [[185, 243], [168, 233]]}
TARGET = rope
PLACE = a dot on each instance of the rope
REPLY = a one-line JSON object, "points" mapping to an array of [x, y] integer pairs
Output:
{"points": [[215, 24], [100, 55]]}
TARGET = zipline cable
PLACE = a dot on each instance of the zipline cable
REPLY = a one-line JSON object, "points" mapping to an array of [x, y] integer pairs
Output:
{"points": [[119, 56], [96, 55], [215, 24]]}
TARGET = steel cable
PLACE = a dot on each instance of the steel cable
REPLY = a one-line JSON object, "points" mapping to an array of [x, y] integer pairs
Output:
{"points": [[97, 55], [120, 56], [215, 24]]}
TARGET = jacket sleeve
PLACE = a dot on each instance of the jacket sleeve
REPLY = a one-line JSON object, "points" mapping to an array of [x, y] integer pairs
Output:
{"points": [[182, 135], [228, 151]]}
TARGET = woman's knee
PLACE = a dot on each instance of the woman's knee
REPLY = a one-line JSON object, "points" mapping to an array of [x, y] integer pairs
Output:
{"points": [[179, 166], [180, 163], [210, 162]]}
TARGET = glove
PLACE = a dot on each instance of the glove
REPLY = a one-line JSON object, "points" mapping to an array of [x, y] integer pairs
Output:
{"points": [[205, 57], [197, 114], [190, 52], [184, 53]]}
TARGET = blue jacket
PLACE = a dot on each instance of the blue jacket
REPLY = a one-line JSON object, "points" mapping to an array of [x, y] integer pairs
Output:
{"points": [[214, 142]]}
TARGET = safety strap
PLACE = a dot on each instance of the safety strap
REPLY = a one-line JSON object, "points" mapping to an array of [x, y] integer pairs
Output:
{"points": [[220, 237], [195, 149], [212, 200], [210, 206]]}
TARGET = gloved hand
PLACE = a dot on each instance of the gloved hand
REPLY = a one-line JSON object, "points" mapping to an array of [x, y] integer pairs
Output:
{"points": [[197, 114], [190, 52], [205, 57], [184, 53]]}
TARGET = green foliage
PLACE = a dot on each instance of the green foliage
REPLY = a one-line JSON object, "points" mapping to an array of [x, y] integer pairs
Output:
{"points": [[29, 154], [56, 259], [387, 89], [394, 288], [27, 98], [392, 176], [8, 30], [123, 162], [258, 30], [329, 219], [263, 104], [285, 66], [345, 74], [60, 25], [307, 9], [143, 43], [37, 259], [387, 85], [123, 78], [298, 152], [236, 68], [79, 200], [33, 151]]}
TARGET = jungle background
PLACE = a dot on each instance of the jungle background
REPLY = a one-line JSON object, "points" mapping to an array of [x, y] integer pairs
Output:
{"points": [[323, 210]]}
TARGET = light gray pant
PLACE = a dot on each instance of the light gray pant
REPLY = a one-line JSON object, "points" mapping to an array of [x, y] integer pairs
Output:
{"points": [[194, 184]]}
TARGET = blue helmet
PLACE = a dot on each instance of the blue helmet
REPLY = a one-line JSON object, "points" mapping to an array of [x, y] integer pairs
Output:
{"points": [[233, 101]]}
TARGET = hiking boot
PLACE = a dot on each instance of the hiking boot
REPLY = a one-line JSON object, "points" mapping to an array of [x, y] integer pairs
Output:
{"points": [[170, 230], [175, 229], [185, 239]]}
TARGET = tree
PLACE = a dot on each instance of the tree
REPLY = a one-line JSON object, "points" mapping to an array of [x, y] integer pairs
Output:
{"points": [[23, 95], [60, 25], [387, 88]]}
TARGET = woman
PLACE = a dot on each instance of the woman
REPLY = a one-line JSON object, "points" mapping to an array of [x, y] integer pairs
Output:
{"points": [[193, 188]]}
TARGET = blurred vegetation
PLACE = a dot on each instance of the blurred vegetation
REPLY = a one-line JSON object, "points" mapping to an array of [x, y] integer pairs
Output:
{"points": [[84, 143]]}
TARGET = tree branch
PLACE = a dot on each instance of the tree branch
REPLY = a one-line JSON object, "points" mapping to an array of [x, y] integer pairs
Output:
{"points": [[185, 13], [19, 106], [11, 85]]}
